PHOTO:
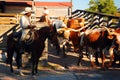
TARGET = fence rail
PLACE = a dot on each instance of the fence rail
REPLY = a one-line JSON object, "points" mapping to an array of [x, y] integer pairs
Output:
{"points": [[9, 18], [8, 23], [3, 37], [97, 19]]}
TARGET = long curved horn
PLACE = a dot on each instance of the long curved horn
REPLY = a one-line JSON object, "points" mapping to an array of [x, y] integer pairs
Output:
{"points": [[107, 29], [111, 33], [70, 29], [78, 30]]}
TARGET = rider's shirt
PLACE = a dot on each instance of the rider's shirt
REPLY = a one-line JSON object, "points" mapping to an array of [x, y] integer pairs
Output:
{"points": [[24, 22]]}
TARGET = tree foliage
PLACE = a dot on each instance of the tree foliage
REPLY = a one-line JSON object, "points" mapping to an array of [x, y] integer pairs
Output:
{"points": [[102, 6]]}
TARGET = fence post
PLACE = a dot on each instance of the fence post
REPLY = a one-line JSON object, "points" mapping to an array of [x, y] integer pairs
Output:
{"points": [[109, 22]]}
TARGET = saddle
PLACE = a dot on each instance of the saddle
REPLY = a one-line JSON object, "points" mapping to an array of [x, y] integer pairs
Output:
{"points": [[29, 38]]}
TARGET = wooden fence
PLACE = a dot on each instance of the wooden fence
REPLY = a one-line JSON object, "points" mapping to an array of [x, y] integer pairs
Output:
{"points": [[97, 19], [8, 23], [3, 37], [6, 18]]}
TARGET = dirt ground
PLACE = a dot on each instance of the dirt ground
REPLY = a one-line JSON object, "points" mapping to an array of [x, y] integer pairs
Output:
{"points": [[58, 65]]}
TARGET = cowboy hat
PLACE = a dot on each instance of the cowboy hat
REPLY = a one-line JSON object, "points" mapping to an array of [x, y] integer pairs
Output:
{"points": [[27, 10]]}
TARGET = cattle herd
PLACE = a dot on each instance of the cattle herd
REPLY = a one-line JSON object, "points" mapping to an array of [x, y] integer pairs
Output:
{"points": [[92, 42], [95, 42]]}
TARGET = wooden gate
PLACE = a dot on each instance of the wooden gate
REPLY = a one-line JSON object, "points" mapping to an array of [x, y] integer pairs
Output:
{"points": [[97, 19]]}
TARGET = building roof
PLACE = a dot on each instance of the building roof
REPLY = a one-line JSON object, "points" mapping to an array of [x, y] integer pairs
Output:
{"points": [[53, 4], [18, 3], [29, 2]]}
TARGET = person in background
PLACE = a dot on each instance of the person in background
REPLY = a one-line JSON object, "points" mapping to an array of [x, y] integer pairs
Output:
{"points": [[59, 23], [45, 11], [45, 17]]}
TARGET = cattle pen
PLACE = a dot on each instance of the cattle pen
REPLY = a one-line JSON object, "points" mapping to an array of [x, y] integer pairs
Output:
{"points": [[92, 19]]}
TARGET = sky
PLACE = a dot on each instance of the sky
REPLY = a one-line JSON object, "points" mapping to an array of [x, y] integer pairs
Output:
{"points": [[79, 4]]}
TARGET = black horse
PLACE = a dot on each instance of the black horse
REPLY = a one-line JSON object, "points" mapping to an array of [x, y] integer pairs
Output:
{"points": [[36, 47]]}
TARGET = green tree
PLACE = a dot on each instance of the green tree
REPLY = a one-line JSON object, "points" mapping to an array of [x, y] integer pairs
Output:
{"points": [[102, 6]]}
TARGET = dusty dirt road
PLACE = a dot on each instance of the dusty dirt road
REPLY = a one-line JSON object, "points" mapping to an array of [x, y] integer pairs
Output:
{"points": [[62, 66]]}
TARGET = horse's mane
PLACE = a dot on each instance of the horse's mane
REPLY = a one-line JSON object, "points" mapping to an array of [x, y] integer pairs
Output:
{"points": [[43, 31]]}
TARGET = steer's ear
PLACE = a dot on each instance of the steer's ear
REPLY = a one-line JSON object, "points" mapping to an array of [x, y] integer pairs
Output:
{"points": [[110, 37]]}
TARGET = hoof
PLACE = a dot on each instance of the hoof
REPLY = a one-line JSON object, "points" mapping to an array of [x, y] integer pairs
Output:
{"points": [[21, 74], [103, 68], [97, 63], [64, 56], [79, 64], [93, 65], [113, 63]]}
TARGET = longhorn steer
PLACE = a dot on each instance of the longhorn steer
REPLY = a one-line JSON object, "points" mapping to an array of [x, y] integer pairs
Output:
{"points": [[115, 48], [73, 36], [96, 39]]}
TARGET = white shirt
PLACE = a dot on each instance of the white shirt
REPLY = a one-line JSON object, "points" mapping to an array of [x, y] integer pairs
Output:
{"points": [[46, 11], [24, 22]]}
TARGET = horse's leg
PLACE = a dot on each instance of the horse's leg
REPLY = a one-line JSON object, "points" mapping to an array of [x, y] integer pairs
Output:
{"points": [[10, 53], [36, 66], [19, 62], [33, 63]]}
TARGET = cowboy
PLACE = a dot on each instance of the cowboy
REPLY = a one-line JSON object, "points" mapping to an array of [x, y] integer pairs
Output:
{"points": [[25, 23], [46, 11]]}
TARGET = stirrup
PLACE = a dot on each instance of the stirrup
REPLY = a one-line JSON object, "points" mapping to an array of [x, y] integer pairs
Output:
{"points": [[15, 39]]}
